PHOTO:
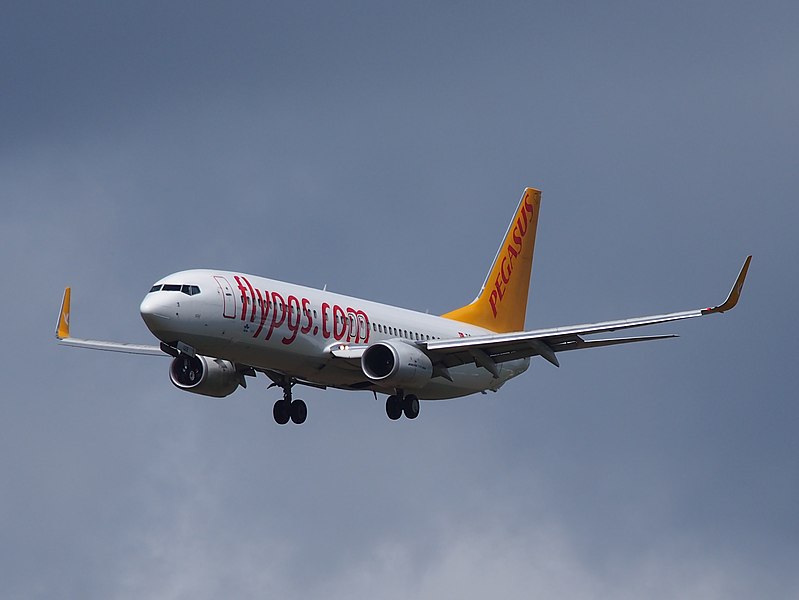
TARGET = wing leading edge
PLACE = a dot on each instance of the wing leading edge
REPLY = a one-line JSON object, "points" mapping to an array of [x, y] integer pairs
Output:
{"points": [[64, 338], [489, 350]]}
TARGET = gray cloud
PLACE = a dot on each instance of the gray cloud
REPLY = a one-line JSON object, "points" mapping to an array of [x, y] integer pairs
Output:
{"points": [[337, 145]]}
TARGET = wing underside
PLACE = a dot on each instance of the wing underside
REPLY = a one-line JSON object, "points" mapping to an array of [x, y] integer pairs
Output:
{"points": [[112, 346], [65, 339], [490, 350]]}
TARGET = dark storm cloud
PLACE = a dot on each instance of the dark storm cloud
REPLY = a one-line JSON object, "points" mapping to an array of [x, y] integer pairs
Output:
{"points": [[338, 145]]}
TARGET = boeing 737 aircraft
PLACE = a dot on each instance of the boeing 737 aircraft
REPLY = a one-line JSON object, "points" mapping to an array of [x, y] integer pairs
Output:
{"points": [[220, 327]]}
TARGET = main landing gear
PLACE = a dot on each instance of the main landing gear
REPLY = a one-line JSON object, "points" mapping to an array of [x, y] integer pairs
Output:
{"points": [[286, 409], [399, 404]]}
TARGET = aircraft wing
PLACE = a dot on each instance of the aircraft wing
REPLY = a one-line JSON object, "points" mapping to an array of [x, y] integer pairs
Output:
{"points": [[112, 346], [489, 350], [62, 333]]}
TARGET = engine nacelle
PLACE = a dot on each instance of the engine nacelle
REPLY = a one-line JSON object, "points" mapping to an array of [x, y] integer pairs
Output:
{"points": [[397, 364], [204, 375]]}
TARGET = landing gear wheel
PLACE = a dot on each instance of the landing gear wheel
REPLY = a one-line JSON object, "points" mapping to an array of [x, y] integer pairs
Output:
{"points": [[299, 412], [411, 406], [281, 412], [394, 407]]}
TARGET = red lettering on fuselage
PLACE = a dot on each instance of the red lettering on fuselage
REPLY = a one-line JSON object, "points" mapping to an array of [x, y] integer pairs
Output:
{"points": [[252, 295], [245, 299], [264, 311], [339, 323], [306, 311], [278, 313], [293, 319], [297, 316], [325, 330], [361, 320]]}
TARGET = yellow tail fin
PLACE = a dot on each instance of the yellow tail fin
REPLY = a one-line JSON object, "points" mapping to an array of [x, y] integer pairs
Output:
{"points": [[501, 305]]}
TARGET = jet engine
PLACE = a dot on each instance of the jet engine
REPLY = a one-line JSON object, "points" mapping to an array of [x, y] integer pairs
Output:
{"points": [[204, 375], [397, 364]]}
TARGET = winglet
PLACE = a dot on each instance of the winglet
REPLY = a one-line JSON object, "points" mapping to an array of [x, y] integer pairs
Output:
{"points": [[735, 292], [62, 328]]}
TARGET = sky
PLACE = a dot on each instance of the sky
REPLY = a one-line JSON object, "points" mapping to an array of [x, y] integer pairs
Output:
{"points": [[380, 149]]}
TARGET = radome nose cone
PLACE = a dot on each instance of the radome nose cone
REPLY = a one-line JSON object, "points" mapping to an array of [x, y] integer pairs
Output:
{"points": [[153, 312]]}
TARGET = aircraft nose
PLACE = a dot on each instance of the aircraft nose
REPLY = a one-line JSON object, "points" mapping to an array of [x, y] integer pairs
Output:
{"points": [[154, 312]]}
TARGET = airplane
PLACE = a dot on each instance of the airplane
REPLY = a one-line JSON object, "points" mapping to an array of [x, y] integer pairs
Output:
{"points": [[221, 327]]}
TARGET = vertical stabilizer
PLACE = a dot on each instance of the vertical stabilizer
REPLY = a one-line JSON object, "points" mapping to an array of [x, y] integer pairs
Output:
{"points": [[501, 305]]}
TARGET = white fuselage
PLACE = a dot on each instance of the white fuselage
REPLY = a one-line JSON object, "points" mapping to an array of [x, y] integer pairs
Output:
{"points": [[292, 329]]}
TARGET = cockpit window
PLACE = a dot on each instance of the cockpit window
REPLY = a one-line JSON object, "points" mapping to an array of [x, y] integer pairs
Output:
{"points": [[189, 290]]}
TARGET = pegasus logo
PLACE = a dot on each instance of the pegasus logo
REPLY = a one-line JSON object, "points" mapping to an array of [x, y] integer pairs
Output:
{"points": [[515, 243]]}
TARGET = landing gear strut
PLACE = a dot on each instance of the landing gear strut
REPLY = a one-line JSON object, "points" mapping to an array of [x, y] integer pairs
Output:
{"points": [[286, 409], [399, 404]]}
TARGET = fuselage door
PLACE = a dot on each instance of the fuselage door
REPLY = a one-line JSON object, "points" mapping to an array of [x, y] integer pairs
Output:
{"points": [[228, 298]]}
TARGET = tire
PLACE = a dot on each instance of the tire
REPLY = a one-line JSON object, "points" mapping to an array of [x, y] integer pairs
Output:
{"points": [[411, 406], [393, 408], [281, 412], [299, 412]]}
